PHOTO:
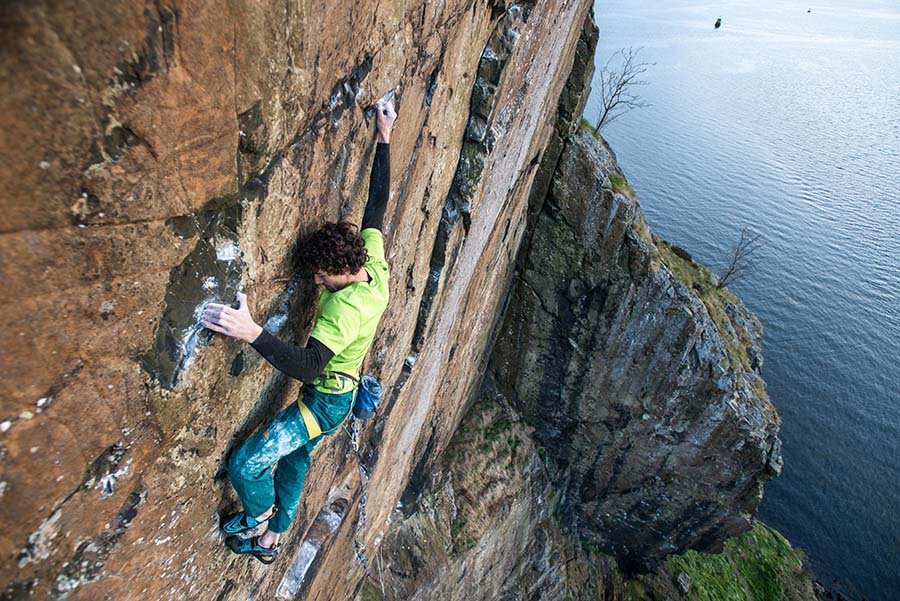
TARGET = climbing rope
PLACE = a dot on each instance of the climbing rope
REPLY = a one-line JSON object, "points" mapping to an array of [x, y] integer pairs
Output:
{"points": [[358, 545]]}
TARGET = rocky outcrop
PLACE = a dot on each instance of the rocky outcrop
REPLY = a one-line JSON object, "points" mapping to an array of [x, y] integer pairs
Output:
{"points": [[639, 376], [485, 527], [162, 154]]}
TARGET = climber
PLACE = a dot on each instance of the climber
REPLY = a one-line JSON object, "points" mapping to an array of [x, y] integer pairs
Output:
{"points": [[269, 468]]}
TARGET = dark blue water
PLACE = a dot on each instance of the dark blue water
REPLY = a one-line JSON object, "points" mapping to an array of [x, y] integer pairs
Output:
{"points": [[789, 122]]}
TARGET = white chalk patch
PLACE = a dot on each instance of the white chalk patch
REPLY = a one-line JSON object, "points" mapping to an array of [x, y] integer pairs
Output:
{"points": [[293, 578], [107, 483], [5, 425], [226, 250], [40, 541]]}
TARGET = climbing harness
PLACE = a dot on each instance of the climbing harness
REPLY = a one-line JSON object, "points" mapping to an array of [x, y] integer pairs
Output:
{"points": [[312, 424], [363, 405]]}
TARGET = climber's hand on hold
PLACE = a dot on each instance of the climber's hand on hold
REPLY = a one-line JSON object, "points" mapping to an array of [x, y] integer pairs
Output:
{"points": [[236, 323], [384, 120]]}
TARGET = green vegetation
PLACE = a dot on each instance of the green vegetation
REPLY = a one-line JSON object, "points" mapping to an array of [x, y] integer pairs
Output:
{"points": [[620, 185], [585, 125], [494, 431], [759, 388], [460, 538], [700, 280], [490, 435], [369, 592], [635, 591], [759, 565]]}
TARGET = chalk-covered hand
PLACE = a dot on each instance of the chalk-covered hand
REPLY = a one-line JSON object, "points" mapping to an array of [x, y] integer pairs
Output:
{"points": [[384, 120], [236, 323]]}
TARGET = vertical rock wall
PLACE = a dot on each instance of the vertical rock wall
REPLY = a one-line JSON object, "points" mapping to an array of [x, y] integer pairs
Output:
{"points": [[640, 377], [161, 154]]}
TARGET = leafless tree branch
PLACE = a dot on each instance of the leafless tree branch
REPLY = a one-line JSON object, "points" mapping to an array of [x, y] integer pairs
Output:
{"points": [[740, 264], [618, 78]]}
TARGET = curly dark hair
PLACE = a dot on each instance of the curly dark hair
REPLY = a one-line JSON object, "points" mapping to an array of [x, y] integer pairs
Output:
{"points": [[336, 248]]}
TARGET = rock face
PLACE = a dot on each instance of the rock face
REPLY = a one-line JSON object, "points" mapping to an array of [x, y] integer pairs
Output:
{"points": [[640, 378], [624, 418], [161, 154], [485, 527]]}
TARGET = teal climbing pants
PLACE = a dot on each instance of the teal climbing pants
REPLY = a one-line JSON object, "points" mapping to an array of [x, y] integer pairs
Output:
{"points": [[269, 468]]}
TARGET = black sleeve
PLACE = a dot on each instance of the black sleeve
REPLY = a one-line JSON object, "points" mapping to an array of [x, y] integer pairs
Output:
{"points": [[299, 363], [379, 188]]}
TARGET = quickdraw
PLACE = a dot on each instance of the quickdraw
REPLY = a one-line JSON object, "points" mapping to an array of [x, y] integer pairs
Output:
{"points": [[358, 544]]}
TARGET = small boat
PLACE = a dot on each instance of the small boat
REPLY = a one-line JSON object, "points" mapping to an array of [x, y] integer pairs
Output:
{"points": [[718, 23]]}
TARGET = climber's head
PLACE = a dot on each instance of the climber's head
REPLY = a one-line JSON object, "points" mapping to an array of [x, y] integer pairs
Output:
{"points": [[334, 254]]}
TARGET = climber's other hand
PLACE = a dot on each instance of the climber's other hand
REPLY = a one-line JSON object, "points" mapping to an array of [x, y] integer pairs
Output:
{"points": [[236, 323], [384, 119]]}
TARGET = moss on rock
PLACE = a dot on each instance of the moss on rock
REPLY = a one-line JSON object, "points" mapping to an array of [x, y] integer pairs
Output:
{"points": [[759, 565], [701, 280]]}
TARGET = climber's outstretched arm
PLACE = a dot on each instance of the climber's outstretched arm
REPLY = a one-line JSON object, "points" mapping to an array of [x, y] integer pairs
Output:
{"points": [[380, 179], [300, 363]]}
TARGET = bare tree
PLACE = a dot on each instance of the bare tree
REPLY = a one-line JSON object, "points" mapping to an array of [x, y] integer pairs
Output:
{"points": [[618, 78], [740, 262]]}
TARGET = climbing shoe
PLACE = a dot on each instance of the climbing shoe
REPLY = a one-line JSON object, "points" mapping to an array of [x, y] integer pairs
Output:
{"points": [[238, 523], [251, 546]]}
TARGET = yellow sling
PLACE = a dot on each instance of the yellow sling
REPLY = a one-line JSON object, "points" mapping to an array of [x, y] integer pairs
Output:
{"points": [[312, 424]]}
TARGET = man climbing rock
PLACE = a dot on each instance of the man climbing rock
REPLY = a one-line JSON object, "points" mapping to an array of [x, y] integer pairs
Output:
{"points": [[269, 468]]}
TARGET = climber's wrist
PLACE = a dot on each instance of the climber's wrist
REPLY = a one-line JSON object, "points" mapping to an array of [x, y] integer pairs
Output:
{"points": [[253, 332]]}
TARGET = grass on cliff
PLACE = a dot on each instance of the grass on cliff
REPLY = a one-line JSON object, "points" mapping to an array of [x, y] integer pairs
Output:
{"points": [[759, 565], [620, 185], [369, 592], [585, 125], [700, 280], [490, 446]]}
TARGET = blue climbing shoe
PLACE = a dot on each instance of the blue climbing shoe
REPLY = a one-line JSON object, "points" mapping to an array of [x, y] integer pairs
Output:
{"points": [[251, 546], [238, 523]]}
